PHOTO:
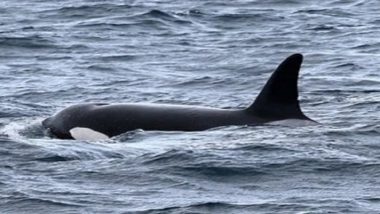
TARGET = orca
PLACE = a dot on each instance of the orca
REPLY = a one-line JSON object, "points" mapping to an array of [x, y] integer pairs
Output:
{"points": [[277, 101]]}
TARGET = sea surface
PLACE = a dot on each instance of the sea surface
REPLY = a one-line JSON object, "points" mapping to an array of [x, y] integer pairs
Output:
{"points": [[211, 53]]}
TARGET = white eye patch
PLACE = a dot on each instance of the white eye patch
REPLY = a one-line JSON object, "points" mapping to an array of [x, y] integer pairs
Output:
{"points": [[82, 133]]}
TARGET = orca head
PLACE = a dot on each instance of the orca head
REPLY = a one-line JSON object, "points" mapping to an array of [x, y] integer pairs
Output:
{"points": [[74, 122], [60, 124], [54, 128]]}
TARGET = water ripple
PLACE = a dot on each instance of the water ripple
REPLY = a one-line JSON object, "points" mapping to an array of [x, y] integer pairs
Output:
{"points": [[210, 53]]}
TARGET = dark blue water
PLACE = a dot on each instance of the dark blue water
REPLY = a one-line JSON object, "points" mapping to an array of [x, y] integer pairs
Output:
{"points": [[210, 53]]}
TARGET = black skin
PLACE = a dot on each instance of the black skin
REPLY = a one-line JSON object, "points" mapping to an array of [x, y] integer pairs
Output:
{"points": [[116, 119], [278, 100]]}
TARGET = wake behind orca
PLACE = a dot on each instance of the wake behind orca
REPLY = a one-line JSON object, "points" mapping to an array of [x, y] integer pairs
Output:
{"points": [[277, 101]]}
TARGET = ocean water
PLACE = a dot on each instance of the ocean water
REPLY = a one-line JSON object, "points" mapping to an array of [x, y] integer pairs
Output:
{"points": [[211, 53]]}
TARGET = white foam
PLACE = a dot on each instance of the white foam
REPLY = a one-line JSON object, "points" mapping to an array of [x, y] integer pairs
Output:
{"points": [[82, 133], [13, 128]]}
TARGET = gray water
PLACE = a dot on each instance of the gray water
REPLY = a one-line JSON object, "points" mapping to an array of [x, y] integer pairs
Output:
{"points": [[211, 53]]}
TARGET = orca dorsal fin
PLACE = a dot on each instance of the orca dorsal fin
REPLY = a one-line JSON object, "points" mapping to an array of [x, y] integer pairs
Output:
{"points": [[278, 100]]}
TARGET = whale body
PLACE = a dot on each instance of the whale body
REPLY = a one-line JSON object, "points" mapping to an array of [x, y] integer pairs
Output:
{"points": [[277, 101]]}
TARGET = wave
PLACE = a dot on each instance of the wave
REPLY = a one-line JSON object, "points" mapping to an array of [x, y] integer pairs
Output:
{"points": [[254, 17], [369, 130], [30, 42], [225, 207], [150, 20], [86, 11], [117, 58], [161, 15], [34, 145], [28, 204], [333, 12], [55, 158], [276, 161]]}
